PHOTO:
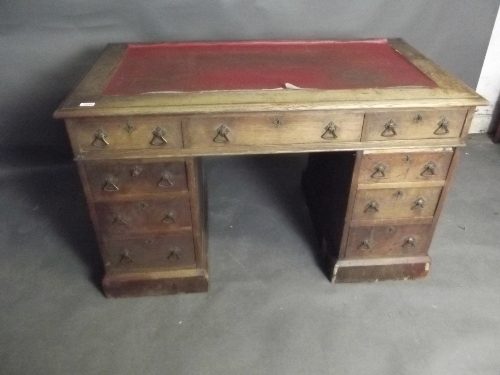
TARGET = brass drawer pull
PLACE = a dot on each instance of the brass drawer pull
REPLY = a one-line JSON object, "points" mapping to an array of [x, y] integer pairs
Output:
{"points": [[372, 207], [380, 169], [136, 171], [222, 132], [365, 245], [119, 220], [389, 130], [125, 257], [330, 131], [429, 169], [158, 137], [442, 127], [169, 218], [165, 180], [100, 139], [409, 242], [418, 204], [110, 185], [174, 253]]}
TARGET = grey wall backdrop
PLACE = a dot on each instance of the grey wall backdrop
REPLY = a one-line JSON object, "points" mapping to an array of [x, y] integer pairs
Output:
{"points": [[46, 46]]}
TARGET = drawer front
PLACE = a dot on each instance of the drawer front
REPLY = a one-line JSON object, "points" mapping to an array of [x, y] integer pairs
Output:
{"points": [[144, 216], [110, 179], [273, 129], [388, 241], [120, 133], [395, 203], [405, 166], [155, 252], [381, 126]]}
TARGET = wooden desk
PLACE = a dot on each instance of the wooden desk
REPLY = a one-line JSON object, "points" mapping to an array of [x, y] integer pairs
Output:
{"points": [[382, 123]]}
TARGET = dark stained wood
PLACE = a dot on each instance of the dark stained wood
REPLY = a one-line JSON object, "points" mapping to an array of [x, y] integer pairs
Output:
{"points": [[346, 271], [384, 167], [110, 179], [144, 215], [154, 252], [155, 283], [387, 241], [135, 176], [414, 124], [395, 203]]}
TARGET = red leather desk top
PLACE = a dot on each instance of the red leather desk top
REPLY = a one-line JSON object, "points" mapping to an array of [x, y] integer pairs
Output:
{"points": [[325, 65]]}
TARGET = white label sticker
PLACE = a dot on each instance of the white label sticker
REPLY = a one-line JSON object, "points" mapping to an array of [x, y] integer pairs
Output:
{"points": [[87, 104]]}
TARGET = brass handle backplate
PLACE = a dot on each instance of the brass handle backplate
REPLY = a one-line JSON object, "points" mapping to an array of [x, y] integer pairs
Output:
{"points": [[136, 171], [277, 122], [110, 185], [169, 218], [429, 169], [100, 139], [165, 180], [372, 206], [330, 131], [222, 132], [389, 129], [380, 169], [418, 204], [365, 245], [409, 242], [174, 253], [158, 137], [442, 127]]}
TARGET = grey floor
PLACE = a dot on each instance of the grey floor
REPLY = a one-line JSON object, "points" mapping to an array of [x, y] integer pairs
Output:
{"points": [[270, 309]]}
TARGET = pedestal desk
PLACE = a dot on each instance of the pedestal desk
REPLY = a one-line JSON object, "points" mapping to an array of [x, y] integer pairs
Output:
{"points": [[383, 126]]}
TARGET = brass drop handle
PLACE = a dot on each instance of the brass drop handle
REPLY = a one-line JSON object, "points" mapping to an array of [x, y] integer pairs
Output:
{"points": [[165, 180], [365, 245], [118, 220], [174, 253], [409, 242], [110, 185], [100, 139], [442, 127], [418, 204], [222, 132], [389, 129], [125, 257], [429, 169], [380, 169], [169, 218], [158, 137], [330, 131], [372, 206]]}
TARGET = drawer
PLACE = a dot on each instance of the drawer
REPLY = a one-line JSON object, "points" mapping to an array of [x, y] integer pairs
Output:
{"points": [[407, 166], [109, 179], [395, 203], [273, 129], [388, 241], [415, 124], [159, 252], [144, 215], [122, 133]]}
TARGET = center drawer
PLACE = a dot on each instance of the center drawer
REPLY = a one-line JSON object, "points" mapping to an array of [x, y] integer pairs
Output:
{"points": [[272, 129], [141, 216], [373, 204]]}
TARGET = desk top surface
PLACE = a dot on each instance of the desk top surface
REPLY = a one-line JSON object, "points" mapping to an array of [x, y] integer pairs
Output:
{"points": [[256, 76], [324, 65]]}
